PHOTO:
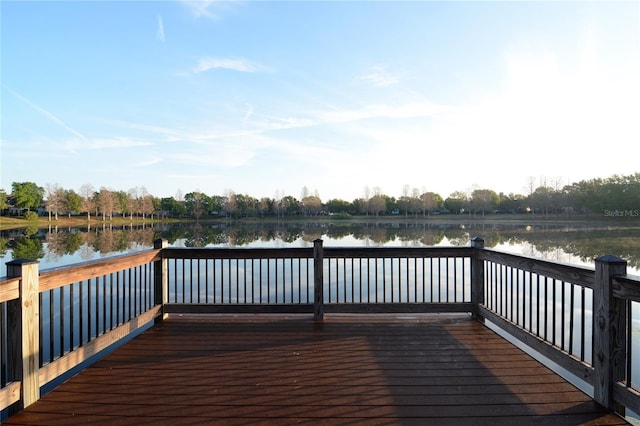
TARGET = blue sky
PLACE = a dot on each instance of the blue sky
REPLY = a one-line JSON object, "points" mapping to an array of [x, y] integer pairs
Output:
{"points": [[266, 98]]}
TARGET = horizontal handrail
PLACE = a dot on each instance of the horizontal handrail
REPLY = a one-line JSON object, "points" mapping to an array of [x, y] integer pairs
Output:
{"points": [[397, 252], [581, 275], [9, 289], [626, 287], [235, 253], [58, 277]]}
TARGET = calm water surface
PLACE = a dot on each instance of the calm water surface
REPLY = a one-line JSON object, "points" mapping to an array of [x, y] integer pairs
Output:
{"points": [[568, 243]]}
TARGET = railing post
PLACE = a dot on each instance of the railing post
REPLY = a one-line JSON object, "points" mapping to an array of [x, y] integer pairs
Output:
{"points": [[318, 280], [161, 277], [609, 330], [23, 335], [477, 277]]}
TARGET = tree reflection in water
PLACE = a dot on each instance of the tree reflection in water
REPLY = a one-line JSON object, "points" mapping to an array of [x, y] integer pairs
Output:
{"points": [[556, 241]]}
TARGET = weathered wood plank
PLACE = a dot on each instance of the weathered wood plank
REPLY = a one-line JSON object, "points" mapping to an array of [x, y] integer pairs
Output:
{"points": [[609, 331], [9, 289], [629, 397], [237, 253], [626, 287], [23, 338], [10, 394], [396, 252]]}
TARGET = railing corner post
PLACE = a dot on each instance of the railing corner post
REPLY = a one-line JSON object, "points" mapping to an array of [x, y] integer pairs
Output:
{"points": [[160, 243], [23, 338], [318, 280], [477, 242], [161, 278], [477, 277], [609, 330]]}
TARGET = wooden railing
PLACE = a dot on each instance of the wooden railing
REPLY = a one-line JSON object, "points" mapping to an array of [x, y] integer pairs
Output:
{"points": [[577, 317], [580, 318], [354, 280], [51, 322]]}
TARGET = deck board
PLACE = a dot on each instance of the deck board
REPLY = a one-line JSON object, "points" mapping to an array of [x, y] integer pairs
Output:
{"points": [[349, 369]]}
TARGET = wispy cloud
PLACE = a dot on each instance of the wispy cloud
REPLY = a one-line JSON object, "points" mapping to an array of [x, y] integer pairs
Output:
{"points": [[201, 8], [191, 177], [247, 116], [240, 65], [378, 76], [46, 113], [169, 133], [148, 162], [160, 32], [406, 110], [99, 144]]}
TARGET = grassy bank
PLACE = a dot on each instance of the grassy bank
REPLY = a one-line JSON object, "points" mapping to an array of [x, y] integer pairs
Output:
{"points": [[76, 221]]}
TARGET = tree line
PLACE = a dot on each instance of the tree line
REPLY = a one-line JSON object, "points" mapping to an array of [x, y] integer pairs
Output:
{"points": [[618, 195]]}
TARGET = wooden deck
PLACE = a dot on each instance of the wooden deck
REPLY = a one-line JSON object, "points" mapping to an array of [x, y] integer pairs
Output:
{"points": [[261, 369]]}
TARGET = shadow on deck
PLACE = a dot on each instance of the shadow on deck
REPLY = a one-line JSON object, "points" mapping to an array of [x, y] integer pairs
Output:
{"points": [[349, 369]]}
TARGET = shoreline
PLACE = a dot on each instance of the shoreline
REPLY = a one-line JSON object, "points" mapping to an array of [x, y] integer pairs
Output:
{"points": [[8, 223]]}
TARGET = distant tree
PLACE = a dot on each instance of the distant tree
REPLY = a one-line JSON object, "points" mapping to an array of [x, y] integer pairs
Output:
{"points": [[377, 204], [27, 195], [415, 201], [390, 203], [245, 205], [3, 200], [511, 203], [86, 192], [340, 206], [430, 201], [146, 203], [365, 200], [483, 200], [456, 202], [217, 203], [360, 206], [72, 202], [231, 205], [265, 206], [171, 207], [542, 199], [106, 202], [133, 202], [54, 202], [61, 196], [197, 204], [404, 203], [311, 204], [290, 205]]}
